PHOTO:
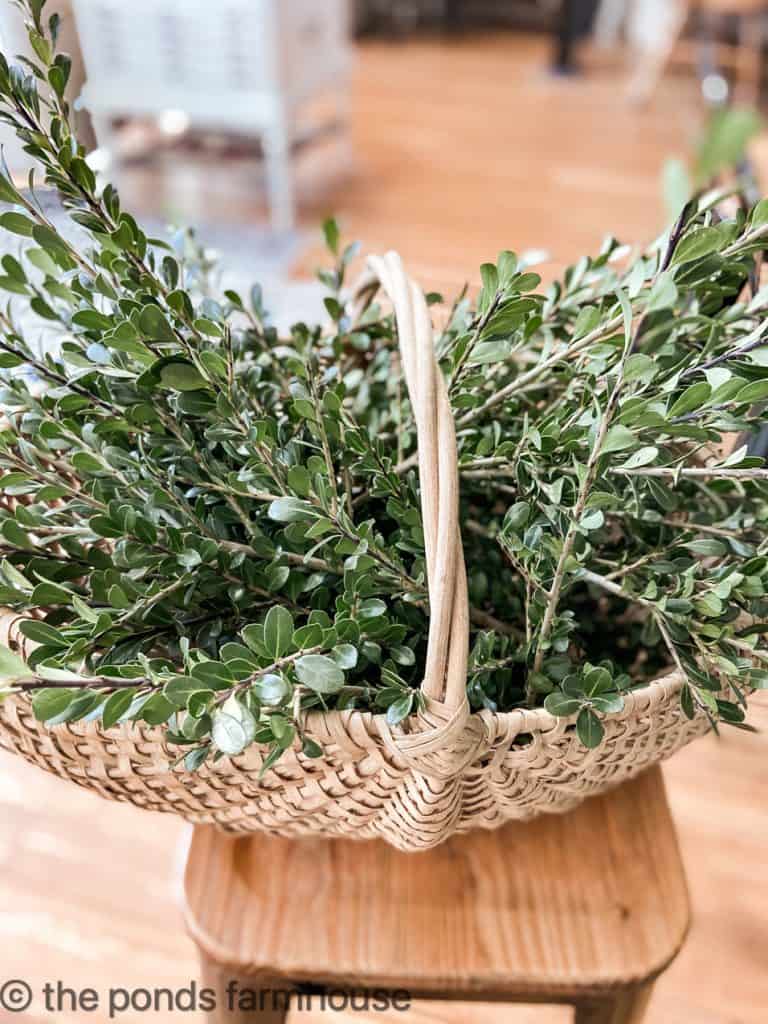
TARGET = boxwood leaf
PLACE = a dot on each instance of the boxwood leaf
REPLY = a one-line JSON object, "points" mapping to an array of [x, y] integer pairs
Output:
{"points": [[182, 376], [179, 689], [116, 706], [561, 705], [278, 631], [50, 703], [400, 709], [697, 244], [589, 728], [233, 727], [617, 438], [319, 673]]}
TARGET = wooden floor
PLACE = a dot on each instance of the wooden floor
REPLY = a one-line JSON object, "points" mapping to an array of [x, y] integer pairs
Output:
{"points": [[461, 150]]}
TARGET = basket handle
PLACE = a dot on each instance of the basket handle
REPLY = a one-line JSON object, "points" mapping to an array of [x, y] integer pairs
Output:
{"points": [[445, 674]]}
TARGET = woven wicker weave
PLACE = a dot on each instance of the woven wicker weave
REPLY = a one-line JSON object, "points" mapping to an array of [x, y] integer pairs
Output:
{"points": [[445, 770]]}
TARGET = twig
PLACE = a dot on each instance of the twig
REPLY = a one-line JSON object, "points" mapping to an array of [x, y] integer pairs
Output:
{"points": [[606, 583], [578, 510], [482, 323], [604, 331], [707, 472], [758, 340], [487, 621]]}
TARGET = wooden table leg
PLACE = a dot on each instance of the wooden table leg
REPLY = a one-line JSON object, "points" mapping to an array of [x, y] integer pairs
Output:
{"points": [[626, 1007], [241, 998]]}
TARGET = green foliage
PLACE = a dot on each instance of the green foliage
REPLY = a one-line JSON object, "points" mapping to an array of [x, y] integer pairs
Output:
{"points": [[724, 143], [721, 148], [222, 525]]}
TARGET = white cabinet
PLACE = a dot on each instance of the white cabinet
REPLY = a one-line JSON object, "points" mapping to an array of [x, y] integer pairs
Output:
{"points": [[14, 41], [246, 66]]}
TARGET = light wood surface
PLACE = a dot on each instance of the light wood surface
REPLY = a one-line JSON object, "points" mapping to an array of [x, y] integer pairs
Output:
{"points": [[462, 150], [567, 908]]}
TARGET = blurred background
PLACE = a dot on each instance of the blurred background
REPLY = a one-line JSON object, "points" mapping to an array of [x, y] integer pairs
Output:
{"points": [[448, 129]]}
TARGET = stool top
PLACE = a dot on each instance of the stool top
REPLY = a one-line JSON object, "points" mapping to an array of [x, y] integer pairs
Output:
{"points": [[564, 906]]}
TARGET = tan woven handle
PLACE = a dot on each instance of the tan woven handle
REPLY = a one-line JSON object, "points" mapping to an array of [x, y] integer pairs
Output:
{"points": [[445, 675]]}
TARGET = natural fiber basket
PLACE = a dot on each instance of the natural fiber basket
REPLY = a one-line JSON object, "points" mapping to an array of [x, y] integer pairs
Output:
{"points": [[442, 771]]}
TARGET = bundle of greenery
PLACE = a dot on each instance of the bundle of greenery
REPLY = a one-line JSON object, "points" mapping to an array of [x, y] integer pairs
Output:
{"points": [[216, 528]]}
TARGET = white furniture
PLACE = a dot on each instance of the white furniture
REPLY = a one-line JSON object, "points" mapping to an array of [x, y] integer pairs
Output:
{"points": [[244, 66], [13, 41], [653, 29]]}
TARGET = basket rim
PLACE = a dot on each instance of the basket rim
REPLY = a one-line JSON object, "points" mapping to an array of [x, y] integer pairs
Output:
{"points": [[531, 719]]}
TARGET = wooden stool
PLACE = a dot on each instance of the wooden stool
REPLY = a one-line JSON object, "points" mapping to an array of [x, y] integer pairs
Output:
{"points": [[585, 908]]}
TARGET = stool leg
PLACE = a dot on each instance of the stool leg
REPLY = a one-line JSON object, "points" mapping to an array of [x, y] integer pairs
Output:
{"points": [[626, 1007], [237, 996]]}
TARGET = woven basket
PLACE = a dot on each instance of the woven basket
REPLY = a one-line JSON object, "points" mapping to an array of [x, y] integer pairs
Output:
{"points": [[445, 769]]}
